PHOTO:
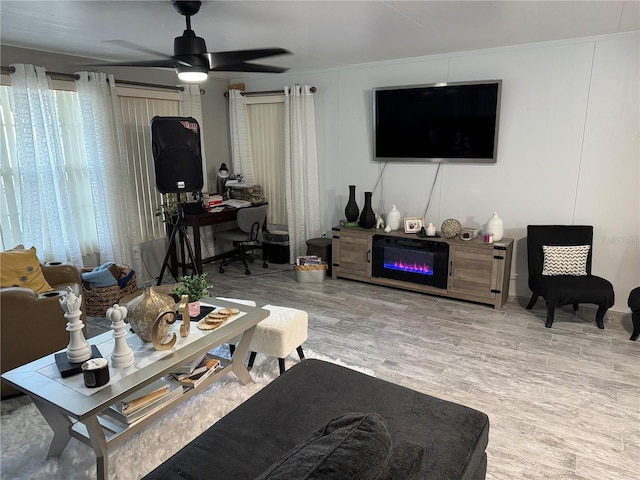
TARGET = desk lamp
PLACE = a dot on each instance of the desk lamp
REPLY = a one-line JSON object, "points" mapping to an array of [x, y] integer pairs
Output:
{"points": [[223, 174]]}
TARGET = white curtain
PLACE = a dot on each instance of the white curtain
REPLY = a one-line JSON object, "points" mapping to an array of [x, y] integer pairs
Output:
{"points": [[241, 160], [301, 169], [115, 206], [47, 221]]}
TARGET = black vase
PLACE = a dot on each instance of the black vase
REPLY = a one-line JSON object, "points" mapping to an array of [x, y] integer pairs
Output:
{"points": [[367, 217], [351, 211]]}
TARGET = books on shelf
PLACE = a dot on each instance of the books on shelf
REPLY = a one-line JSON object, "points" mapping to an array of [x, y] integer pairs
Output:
{"points": [[189, 368], [146, 400], [205, 369]]}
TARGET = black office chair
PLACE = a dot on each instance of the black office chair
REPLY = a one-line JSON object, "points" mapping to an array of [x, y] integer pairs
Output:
{"points": [[247, 237], [562, 276]]}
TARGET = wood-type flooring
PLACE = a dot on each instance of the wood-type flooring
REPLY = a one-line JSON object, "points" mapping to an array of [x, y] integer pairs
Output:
{"points": [[564, 403]]}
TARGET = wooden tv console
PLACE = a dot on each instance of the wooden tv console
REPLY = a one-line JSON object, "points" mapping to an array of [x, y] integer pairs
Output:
{"points": [[477, 271]]}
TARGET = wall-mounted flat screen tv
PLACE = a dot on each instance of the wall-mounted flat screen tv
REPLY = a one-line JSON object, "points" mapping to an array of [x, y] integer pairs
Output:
{"points": [[444, 122]]}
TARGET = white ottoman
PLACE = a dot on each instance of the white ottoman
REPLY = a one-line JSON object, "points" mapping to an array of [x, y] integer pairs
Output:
{"points": [[283, 331]]}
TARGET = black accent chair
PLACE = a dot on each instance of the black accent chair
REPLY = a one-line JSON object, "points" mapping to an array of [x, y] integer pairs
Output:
{"points": [[558, 290], [246, 238], [634, 305]]}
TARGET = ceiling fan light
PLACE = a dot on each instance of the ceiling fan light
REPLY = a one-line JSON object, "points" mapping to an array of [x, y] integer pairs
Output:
{"points": [[192, 76]]}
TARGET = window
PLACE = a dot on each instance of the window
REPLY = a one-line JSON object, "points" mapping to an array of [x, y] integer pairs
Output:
{"points": [[266, 131], [10, 232], [138, 107]]}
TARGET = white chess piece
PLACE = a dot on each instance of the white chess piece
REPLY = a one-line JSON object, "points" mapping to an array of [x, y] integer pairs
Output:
{"points": [[122, 355], [78, 349]]}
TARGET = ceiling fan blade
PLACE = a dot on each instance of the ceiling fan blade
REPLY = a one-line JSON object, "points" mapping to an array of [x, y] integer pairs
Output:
{"points": [[135, 46], [239, 56], [189, 48], [248, 67], [159, 63]]}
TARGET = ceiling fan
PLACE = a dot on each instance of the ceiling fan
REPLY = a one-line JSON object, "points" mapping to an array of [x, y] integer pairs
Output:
{"points": [[191, 59]]}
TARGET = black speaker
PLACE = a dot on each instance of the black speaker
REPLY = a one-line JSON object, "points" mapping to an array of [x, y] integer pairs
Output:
{"points": [[177, 158]]}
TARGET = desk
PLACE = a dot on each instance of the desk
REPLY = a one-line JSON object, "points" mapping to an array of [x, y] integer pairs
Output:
{"points": [[198, 220]]}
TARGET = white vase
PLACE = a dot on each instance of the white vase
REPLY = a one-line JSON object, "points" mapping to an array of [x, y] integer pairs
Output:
{"points": [[495, 226], [394, 218]]}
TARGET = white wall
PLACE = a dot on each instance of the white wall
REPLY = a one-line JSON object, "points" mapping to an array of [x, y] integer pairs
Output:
{"points": [[568, 148]]}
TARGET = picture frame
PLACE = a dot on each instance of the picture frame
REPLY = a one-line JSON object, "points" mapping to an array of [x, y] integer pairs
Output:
{"points": [[412, 224]]}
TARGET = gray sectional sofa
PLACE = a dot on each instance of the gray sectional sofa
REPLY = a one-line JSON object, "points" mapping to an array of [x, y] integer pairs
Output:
{"points": [[323, 421]]}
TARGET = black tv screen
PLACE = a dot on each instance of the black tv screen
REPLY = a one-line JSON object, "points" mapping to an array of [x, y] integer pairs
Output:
{"points": [[452, 122]]}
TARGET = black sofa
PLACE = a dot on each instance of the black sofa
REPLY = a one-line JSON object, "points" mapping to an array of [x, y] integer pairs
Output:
{"points": [[296, 427]]}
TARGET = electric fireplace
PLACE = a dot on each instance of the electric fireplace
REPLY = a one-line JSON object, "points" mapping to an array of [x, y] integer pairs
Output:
{"points": [[411, 260]]}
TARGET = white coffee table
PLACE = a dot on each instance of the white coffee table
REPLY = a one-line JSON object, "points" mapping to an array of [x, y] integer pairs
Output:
{"points": [[72, 410]]}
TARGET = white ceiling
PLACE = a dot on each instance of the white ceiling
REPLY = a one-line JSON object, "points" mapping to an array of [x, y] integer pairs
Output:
{"points": [[320, 34]]}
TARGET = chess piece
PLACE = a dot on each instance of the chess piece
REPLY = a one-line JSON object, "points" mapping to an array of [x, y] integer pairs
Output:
{"points": [[122, 355], [78, 349]]}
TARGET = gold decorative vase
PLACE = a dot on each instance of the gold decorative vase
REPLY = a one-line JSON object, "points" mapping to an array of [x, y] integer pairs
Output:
{"points": [[144, 310]]}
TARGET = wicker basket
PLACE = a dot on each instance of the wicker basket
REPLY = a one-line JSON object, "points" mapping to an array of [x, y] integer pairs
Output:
{"points": [[99, 299], [311, 273], [306, 268]]}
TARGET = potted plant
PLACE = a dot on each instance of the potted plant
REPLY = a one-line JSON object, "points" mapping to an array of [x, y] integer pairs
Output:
{"points": [[195, 287], [168, 209]]}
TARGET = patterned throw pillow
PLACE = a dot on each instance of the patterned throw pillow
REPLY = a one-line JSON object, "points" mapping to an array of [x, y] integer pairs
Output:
{"points": [[21, 268], [565, 260]]}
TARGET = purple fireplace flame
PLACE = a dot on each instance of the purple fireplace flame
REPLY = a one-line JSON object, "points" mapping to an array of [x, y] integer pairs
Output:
{"points": [[414, 267], [410, 260]]}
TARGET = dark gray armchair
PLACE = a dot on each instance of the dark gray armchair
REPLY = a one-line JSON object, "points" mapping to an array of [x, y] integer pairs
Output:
{"points": [[562, 276]]}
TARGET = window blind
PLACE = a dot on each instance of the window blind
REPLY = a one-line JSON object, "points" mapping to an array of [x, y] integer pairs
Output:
{"points": [[266, 131], [137, 113]]}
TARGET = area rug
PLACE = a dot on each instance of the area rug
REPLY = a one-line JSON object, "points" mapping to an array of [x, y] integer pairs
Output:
{"points": [[25, 436]]}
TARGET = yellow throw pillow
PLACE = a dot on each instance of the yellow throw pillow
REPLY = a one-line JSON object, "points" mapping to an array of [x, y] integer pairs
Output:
{"points": [[21, 268]]}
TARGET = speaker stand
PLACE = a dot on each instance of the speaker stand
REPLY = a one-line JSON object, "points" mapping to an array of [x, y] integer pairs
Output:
{"points": [[179, 228]]}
